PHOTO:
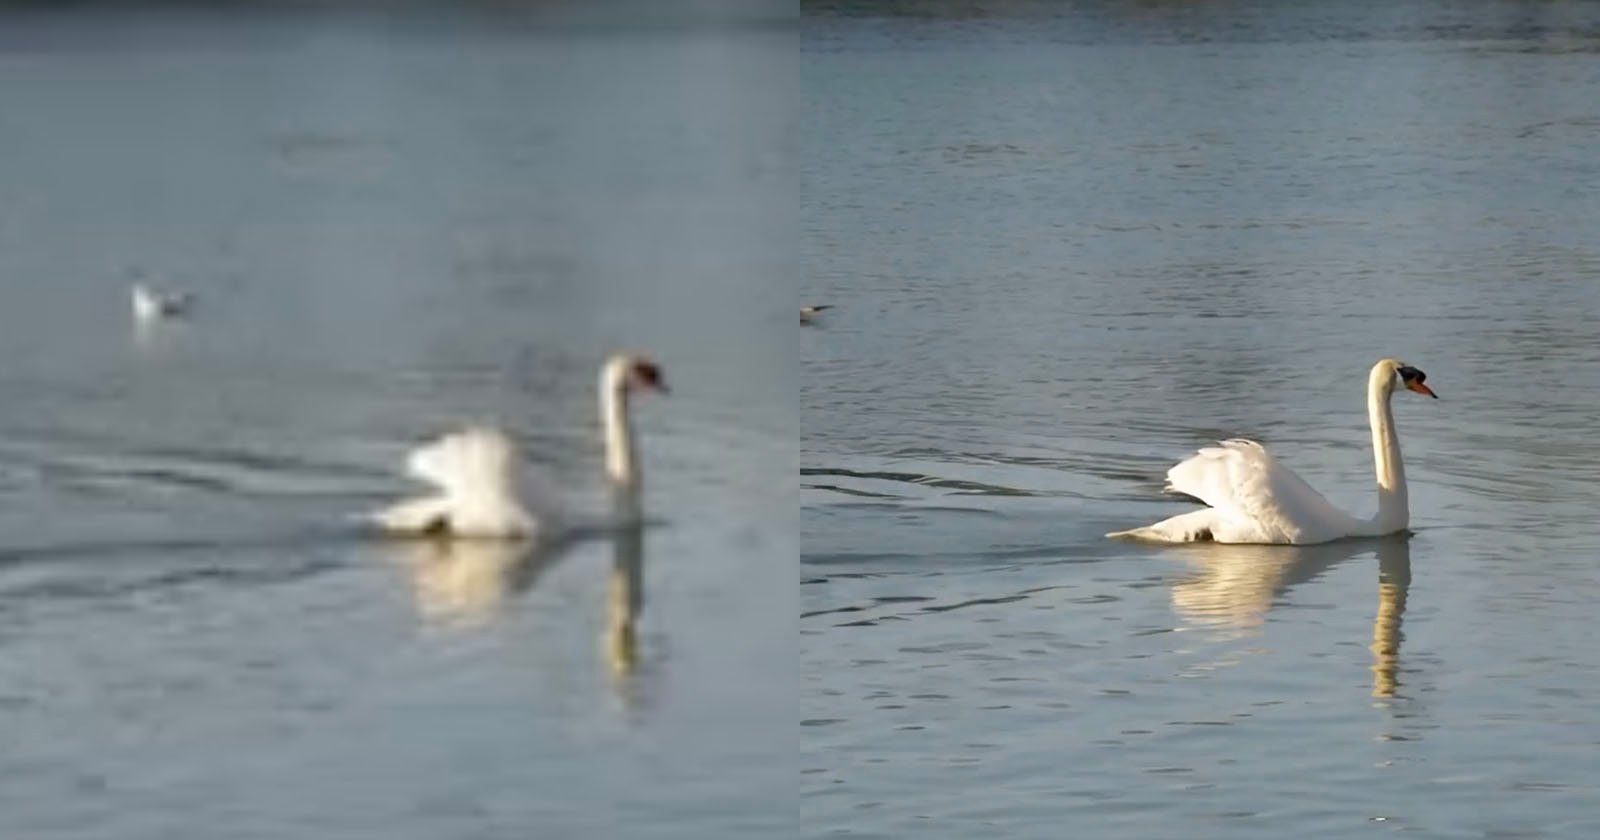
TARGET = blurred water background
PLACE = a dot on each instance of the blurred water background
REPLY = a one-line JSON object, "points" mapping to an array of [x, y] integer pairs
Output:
{"points": [[395, 219]]}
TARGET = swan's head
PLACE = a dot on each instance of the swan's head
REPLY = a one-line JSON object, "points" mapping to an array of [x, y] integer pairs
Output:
{"points": [[1401, 375], [627, 372]]}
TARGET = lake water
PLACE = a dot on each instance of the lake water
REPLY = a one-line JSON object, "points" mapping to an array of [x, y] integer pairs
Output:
{"points": [[1070, 243], [393, 225]]}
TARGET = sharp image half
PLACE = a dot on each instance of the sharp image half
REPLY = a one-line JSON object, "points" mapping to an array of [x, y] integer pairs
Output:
{"points": [[1201, 440]]}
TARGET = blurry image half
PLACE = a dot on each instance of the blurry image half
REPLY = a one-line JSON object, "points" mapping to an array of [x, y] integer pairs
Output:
{"points": [[397, 420]]}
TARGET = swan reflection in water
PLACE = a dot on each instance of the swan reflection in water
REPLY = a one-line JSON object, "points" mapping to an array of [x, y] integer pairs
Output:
{"points": [[1394, 583], [466, 582], [1234, 586], [624, 600]]}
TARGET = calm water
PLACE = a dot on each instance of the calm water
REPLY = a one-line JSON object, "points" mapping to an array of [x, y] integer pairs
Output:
{"points": [[393, 227], [1070, 245]]}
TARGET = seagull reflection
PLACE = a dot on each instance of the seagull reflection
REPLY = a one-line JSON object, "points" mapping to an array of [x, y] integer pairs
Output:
{"points": [[156, 335], [624, 600], [1394, 582], [467, 581], [1233, 586]]}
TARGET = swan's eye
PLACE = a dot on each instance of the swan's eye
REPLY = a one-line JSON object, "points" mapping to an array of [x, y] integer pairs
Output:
{"points": [[1411, 374]]}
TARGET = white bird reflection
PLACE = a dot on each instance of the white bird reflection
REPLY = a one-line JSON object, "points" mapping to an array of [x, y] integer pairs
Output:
{"points": [[156, 335], [464, 582], [625, 599], [1233, 586], [1394, 583], [468, 581]]}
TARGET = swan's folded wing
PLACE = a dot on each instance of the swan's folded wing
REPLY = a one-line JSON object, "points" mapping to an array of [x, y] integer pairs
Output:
{"points": [[1243, 482], [477, 459]]}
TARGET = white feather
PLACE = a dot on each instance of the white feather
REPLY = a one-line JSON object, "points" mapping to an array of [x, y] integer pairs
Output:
{"points": [[1252, 499], [476, 471]]}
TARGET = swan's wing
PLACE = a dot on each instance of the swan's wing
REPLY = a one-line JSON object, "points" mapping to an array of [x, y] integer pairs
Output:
{"points": [[1251, 491], [477, 460], [485, 493]]}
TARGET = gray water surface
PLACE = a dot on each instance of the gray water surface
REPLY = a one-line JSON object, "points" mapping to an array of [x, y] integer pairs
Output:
{"points": [[392, 227], [1069, 244]]}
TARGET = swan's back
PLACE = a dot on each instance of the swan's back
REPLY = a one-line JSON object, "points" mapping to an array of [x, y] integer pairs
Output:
{"points": [[1256, 499]]}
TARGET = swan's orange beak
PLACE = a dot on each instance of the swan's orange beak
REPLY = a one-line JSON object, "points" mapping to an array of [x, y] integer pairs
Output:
{"points": [[1420, 388]]}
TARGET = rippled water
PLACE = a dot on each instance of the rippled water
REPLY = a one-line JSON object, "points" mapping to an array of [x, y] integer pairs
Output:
{"points": [[392, 226], [1070, 244]]}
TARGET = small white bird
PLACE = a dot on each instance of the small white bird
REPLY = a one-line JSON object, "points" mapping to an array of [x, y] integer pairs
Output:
{"points": [[809, 312], [150, 305]]}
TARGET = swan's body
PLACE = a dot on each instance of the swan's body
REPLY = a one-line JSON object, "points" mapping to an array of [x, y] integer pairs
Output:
{"points": [[1251, 498], [481, 492], [150, 305], [809, 312]]}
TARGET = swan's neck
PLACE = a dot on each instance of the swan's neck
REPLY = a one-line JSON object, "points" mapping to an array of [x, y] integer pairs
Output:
{"points": [[621, 465], [1394, 507]]}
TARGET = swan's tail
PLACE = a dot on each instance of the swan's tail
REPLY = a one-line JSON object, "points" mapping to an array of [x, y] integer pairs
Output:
{"points": [[414, 516], [1194, 526]]}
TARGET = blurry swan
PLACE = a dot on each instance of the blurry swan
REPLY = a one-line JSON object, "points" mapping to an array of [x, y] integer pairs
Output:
{"points": [[151, 305], [809, 312], [476, 470], [1252, 498]]}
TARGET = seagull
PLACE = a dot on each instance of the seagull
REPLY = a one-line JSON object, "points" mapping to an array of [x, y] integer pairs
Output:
{"points": [[151, 305]]}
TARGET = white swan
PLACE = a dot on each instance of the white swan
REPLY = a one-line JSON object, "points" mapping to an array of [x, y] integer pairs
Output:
{"points": [[477, 470], [1254, 499], [150, 305]]}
